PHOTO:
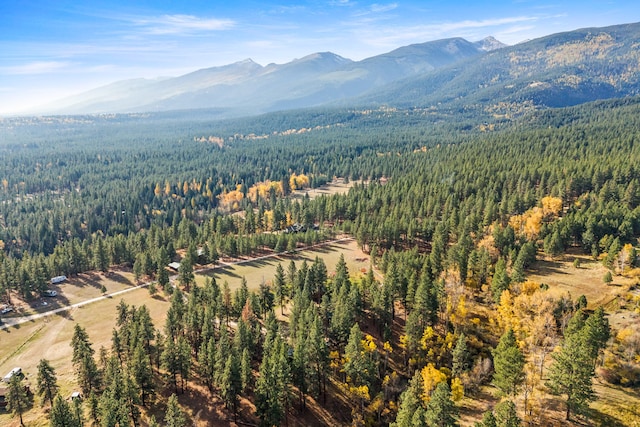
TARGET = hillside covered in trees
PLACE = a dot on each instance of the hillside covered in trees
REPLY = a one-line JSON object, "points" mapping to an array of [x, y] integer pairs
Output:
{"points": [[454, 215]]}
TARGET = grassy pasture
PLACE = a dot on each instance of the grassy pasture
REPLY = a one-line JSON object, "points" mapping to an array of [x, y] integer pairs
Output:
{"points": [[337, 186], [24, 345], [615, 406], [563, 277], [264, 270]]}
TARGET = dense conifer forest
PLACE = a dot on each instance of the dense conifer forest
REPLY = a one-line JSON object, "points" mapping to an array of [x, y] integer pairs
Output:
{"points": [[453, 214]]}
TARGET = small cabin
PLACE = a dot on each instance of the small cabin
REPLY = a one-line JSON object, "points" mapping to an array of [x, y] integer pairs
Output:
{"points": [[58, 279], [14, 371], [76, 395], [174, 266]]}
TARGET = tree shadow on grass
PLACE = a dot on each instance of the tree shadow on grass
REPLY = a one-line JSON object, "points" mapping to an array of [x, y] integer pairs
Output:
{"points": [[604, 420], [548, 268]]}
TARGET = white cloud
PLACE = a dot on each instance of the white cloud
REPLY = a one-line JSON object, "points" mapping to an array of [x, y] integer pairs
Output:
{"points": [[396, 36], [341, 3], [37, 67], [181, 24], [380, 8]]}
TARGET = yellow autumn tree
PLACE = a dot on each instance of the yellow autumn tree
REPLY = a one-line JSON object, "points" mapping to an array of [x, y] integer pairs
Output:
{"points": [[297, 182], [551, 206], [626, 257], [431, 377], [457, 389], [507, 318]]}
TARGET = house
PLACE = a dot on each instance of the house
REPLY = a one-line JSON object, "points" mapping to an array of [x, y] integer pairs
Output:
{"points": [[174, 266], [58, 279], [76, 395], [14, 371]]}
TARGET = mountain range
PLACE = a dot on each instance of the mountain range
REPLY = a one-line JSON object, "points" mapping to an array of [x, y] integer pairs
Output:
{"points": [[557, 70]]}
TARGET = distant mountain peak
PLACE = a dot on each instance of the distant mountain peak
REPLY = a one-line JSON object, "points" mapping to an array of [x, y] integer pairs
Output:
{"points": [[490, 43], [247, 61], [324, 56]]}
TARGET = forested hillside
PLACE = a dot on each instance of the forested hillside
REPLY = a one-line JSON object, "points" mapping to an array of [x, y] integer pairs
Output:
{"points": [[445, 327]]}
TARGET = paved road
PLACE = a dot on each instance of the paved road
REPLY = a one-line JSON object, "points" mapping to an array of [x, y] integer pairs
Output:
{"points": [[13, 321]]}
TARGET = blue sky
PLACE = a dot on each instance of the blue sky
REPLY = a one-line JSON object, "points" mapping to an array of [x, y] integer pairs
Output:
{"points": [[53, 48]]}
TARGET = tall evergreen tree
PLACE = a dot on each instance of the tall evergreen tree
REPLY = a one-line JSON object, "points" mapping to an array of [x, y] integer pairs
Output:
{"points": [[508, 362], [231, 383], [142, 373], [174, 415], [47, 386], [61, 414], [572, 370], [500, 280], [505, 414], [461, 356], [85, 365], [101, 256], [488, 420], [272, 387], [441, 411], [17, 399], [279, 287], [185, 271], [411, 413]]}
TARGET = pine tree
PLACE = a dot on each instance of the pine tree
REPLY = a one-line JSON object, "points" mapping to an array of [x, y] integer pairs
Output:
{"points": [[17, 398], [359, 366], [207, 362], [171, 361], [231, 383], [300, 365], [61, 414], [161, 267], [94, 410], [411, 413], [245, 370], [500, 281], [508, 362], [553, 245], [597, 332], [461, 356], [505, 414], [153, 422], [184, 361], [78, 412], [185, 272], [47, 383], [441, 411], [279, 287], [174, 416], [142, 373], [572, 370], [488, 420], [101, 257], [318, 352], [272, 387]]}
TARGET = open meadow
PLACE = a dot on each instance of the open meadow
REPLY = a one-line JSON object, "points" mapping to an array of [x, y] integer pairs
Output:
{"points": [[49, 337], [615, 405], [264, 270]]}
